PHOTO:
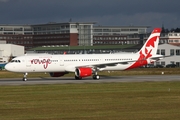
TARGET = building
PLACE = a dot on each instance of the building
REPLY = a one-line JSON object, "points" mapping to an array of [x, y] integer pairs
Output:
{"points": [[172, 38], [112, 35], [70, 34], [169, 50], [8, 51], [17, 34]]}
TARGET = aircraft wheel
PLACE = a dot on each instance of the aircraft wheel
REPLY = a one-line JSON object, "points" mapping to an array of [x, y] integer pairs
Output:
{"points": [[24, 79], [78, 78], [96, 77]]}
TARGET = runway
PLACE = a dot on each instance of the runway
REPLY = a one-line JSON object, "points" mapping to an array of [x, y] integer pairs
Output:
{"points": [[104, 79]]}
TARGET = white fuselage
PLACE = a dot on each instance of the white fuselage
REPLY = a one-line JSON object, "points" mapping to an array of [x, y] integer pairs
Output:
{"points": [[68, 63]]}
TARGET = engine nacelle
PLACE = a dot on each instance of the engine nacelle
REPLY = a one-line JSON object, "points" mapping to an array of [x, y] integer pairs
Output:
{"points": [[57, 74], [83, 72]]}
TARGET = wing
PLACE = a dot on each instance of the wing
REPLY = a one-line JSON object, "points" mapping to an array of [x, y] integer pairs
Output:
{"points": [[98, 66]]}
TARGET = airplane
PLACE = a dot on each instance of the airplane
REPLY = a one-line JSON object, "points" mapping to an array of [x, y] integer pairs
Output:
{"points": [[84, 65]]}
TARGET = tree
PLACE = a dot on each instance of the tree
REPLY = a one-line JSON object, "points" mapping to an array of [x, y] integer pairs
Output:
{"points": [[177, 30]]}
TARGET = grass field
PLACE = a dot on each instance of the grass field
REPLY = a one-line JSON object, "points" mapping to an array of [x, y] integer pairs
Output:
{"points": [[102, 101], [106, 101]]}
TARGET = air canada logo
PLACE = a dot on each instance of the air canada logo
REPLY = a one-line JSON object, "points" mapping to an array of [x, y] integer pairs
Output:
{"points": [[44, 62], [151, 42], [149, 46], [147, 51]]}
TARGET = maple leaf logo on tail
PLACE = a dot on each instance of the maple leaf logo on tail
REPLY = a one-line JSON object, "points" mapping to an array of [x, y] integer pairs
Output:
{"points": [[149, 49]]}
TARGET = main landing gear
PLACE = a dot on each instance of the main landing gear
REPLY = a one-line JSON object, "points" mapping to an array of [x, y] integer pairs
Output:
{"points": [[25, 77], [78, 78], [96, 76]]}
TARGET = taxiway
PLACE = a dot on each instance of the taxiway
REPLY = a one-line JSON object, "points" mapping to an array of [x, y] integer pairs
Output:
{"points": [[104, 79]]}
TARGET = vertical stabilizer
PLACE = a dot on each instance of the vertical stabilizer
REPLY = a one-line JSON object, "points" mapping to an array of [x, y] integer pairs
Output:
{"points": [[151, 45], [148, 50]]}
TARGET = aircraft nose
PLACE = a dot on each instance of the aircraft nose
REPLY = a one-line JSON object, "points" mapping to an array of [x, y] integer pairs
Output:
{"points": [[7, 67]]}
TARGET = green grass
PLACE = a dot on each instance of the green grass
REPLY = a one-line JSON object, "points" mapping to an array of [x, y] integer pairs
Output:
{"points": [[105, 101]]}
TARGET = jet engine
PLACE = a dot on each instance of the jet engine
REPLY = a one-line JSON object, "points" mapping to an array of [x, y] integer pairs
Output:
{"points": [[83, 72]]}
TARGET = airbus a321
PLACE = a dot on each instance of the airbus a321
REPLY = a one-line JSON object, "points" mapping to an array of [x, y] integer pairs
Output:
{"points": [[84, 65]]}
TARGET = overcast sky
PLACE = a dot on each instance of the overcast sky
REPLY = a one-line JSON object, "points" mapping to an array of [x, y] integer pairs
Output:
{"points": [[152, 13]]}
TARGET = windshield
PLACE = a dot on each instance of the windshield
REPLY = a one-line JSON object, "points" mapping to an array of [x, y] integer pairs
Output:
{"points": [[15, 61]]}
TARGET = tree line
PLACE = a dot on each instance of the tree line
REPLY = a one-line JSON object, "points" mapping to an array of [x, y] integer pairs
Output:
{"points": [[171, 30]]}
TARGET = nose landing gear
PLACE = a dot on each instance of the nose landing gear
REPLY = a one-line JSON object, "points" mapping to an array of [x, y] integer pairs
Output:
{"points": [[25, 77]]}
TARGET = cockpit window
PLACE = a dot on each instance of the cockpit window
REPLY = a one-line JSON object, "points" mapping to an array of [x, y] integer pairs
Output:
{"points": [[15, 61]]}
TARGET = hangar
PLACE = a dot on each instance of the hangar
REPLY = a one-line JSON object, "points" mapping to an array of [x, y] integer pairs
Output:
{"points": [[8, 51], [169, 50]]}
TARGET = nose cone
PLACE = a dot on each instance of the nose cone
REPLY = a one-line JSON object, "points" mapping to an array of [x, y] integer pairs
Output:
{"points": [[8, 67]]}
